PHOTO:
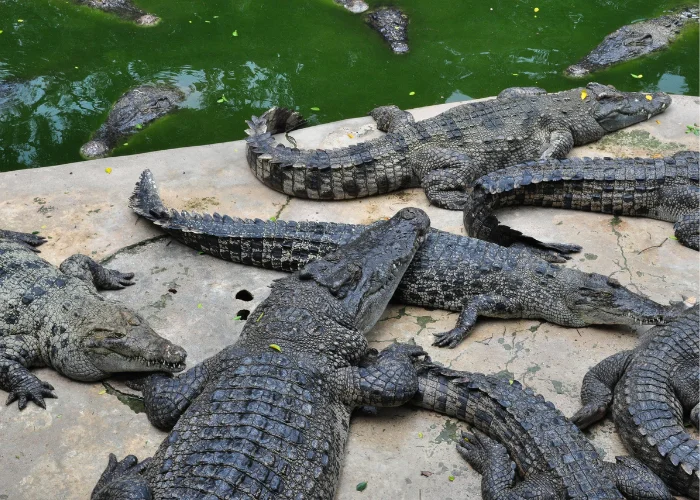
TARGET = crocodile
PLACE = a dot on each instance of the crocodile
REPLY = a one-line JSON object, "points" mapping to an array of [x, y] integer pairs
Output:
{"points": [[54, 317], [124, 9], [354, 6], [515, 429], [392, 25], [444, 154], [268, 416], [452, 272], [650, 388], [134, 110], [665, 188], [634, 41]]}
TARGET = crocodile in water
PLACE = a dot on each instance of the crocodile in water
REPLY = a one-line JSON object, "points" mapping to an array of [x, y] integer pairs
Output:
{"points": [[517, 430], [268, 416], [650, 388], [55, 317], [472, 277], [446, 153], [664, 188]]}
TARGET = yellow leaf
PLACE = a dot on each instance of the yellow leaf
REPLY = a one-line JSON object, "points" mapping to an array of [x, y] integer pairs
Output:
{"points": [[411, 93], [511, 382], [658, 122], [275, 347], [537, 9], [420, 435], [351, 136], [43, 227], [199, 306], [584, 94], [103, 391], [648, 97], [108, 170]]}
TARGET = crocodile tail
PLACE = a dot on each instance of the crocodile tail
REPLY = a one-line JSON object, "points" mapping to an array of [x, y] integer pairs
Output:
{"points": [[273, 121], [145, 199]]}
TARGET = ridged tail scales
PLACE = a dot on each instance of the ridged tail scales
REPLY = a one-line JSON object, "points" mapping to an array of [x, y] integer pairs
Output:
{"points": [[356, 171], [280, 245], [537, 436]]}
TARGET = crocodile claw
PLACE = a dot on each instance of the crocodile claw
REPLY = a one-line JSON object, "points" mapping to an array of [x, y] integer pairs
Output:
{"points": [[115, 280], [451, 338], [400, 350], [588, 415], [31, 389], [474, 448]]}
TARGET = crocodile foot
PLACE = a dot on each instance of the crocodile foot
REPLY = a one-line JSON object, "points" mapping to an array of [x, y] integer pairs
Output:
{"points": [[588, 415], [121, 479], [30, 240], [398, 350], [30, 389], [115, 280], [476, 449], [451, 338]]}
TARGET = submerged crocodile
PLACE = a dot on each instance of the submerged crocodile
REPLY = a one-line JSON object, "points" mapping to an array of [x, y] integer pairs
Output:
{"points": [[268, 416], [392, 24], [650, 388], [52, 317], [125, 9], [666, 189], [133, 111], [444, 154], [634, 40], [449, 272], [354, 6], [517, 430]]}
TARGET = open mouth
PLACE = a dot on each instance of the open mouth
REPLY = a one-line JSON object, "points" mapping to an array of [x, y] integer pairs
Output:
{"points": [[153, 363]]}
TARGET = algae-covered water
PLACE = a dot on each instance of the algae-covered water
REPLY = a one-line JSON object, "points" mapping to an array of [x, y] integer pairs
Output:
{"points": [[66, 65]]}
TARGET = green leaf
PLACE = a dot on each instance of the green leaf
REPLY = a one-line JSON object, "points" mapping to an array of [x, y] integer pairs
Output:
{"points": [[35, 232], [236, 318], [223, 99], [199, 306], [275, 347], [126, 144], [361, 486], [314, 108], [451, 478], [216, 17], [235, 33], [139, 126], [420, 435], [672, 238], [273, 218], [0, 32], [260, 317], [412, 93], [636, 76], [208, 22]]}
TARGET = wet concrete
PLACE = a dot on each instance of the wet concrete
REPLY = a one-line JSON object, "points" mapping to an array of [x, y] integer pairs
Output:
{"points": [[61, 451]]}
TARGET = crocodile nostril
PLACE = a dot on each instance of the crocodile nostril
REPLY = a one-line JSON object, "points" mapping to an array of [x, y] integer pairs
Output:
{"points": [[244, 295], [243, 314]]}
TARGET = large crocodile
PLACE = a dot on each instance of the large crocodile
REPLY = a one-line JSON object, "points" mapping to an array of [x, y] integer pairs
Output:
{"points": [[450, 272], [517, 430], [392, 25], [665, 189], [134, 110], [634, 40], [56, 318], [444, 154], [650, 388], [268, 416], [125, 9]]}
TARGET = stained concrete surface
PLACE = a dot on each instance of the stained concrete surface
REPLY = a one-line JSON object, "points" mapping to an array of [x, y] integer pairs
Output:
{"points": [[189, 298]]}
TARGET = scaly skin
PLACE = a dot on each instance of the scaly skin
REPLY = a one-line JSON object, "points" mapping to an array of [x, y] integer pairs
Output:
{"points": [[450, 272], [56, 318], [633, 41], [392, 24], [125, 9], [446, 153], [268, 417], [666, 189], [134, 110], [514, 427], [650, 388]]}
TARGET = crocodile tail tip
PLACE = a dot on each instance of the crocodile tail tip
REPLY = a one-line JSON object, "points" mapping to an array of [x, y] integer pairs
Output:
{"points": [[145, 199], [275, 120]]}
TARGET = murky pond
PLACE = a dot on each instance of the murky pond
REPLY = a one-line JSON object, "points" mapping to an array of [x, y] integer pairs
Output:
{"points": [[62, 66]]}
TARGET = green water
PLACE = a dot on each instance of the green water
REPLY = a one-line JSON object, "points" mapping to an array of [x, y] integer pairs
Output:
{"points": [[72, 63]]}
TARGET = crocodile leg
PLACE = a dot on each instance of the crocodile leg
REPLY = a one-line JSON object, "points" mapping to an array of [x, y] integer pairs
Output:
{"points": [[389, 118], [388, 380], [122, 481], [635, 480], [445, 175], [597, 388], [560, 144], [687, 230], [17, 354], [685, 384], [84, 268], [30, 240], [490, 459], [494, 306]]}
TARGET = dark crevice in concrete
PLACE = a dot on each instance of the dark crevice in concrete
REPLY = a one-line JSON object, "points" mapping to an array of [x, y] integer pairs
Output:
{"points": [[132, 401], [129, 248]]}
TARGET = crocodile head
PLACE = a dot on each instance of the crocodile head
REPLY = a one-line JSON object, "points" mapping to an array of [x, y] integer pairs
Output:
{"points": [[364, 274], [599, 300], [116, 339], [614, 110]]}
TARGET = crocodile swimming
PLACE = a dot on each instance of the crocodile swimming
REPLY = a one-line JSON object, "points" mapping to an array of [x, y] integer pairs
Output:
{"points": [[54, 317], [134, 110], [444, 154], [664, 188], [392, 25], [124, 9], [650, 388], [452, 272], [635, 40], [268, 416], [516, 430]]}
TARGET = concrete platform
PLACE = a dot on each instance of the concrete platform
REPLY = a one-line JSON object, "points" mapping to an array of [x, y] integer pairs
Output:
{"points": [[60, 452]]}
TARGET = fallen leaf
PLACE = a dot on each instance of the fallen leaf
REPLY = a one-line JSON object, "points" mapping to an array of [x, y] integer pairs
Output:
{"points": [[273, 219], [216, 17], [536, 9], [190, 22], [260, 317], [108, 170], [207, 22], [103, 391], [314, 108], [635, 76], [351, 136], [235, 33], [420, 435], [426, 473], [76, 67], [275, 347], [0, 32], [199, 306], [35, 232], [515, 74], [361, 486], [411, 93], [236, 318], [648, 97], [672, 238], [658, 122], [584, 94], [126, 144], [451, 478], [139, 126], [20, 20]]}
